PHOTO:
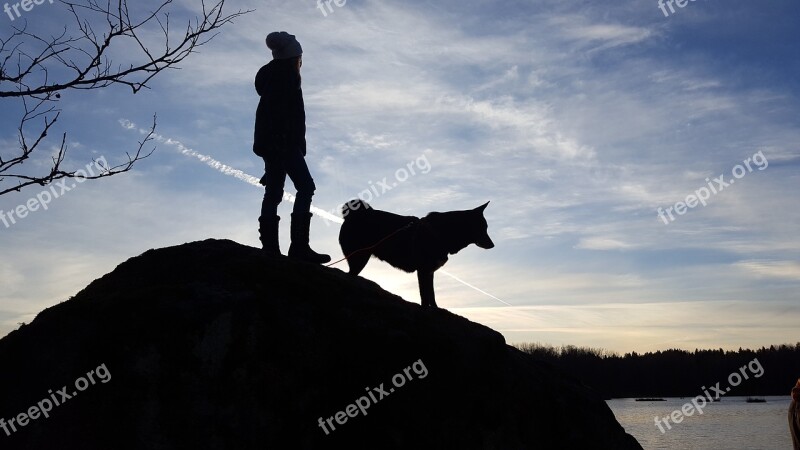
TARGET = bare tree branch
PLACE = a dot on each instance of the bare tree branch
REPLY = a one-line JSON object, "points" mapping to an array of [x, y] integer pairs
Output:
{"points": [[82, 61], [106, 171]]}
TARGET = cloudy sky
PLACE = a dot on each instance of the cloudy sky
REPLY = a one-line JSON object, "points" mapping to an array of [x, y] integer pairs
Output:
{"points": [[578, 120]]}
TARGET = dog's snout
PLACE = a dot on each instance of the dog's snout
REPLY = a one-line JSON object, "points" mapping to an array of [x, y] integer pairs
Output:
{"points": [[486, 243]]}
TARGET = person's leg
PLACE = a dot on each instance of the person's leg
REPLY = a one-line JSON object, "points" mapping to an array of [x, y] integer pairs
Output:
{"points": [[297, 169], [298, 172], [273, 180]]}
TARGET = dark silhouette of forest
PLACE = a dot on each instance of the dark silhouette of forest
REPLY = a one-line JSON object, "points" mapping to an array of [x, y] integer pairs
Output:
{"points": [[674, 373]]}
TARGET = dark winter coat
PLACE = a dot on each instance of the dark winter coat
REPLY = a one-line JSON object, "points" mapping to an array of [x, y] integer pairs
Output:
{"points": [[281, 114]]}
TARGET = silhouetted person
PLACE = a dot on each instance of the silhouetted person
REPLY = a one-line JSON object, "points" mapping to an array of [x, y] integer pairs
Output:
{"points": [[794, 415], [280, 139]]}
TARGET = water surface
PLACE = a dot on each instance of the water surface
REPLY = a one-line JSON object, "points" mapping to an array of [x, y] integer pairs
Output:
{"points": [[730, 424]]}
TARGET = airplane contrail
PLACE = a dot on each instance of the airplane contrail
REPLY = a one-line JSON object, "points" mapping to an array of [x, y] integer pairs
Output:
{"points": [[473, 287], [223, 168]]}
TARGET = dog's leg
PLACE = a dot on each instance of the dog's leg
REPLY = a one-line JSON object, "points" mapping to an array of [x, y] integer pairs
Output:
{"points": [[426, 293], [357, 262]]}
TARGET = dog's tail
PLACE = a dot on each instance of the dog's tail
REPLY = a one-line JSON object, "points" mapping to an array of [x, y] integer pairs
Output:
{"points": [[355, 207]]}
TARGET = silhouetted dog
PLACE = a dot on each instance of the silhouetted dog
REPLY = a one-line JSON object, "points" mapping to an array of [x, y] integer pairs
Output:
{"points": [[410, 243]]}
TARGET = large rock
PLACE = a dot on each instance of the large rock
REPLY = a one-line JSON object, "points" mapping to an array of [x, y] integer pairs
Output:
{"points": [[211, 345]]}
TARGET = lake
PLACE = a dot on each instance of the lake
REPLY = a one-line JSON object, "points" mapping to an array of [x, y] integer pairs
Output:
{"points": [[730, 424]]}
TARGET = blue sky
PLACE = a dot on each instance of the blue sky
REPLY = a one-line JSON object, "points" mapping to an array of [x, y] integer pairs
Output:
{"points": [[578, 120]]}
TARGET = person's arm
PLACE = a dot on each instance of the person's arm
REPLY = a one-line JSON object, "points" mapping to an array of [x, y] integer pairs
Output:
{"points": [[261, 81], [277, 107], [287, 112], [300, 124]]}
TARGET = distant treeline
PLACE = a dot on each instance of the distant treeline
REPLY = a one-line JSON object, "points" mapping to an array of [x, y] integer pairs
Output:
{"points": [[676, 373]]}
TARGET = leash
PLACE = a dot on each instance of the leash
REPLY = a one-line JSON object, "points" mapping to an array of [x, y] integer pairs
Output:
{"points": [[374, 245]]}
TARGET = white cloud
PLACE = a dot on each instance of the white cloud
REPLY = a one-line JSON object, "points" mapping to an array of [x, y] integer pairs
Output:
{"points": [[789, 270], [601, 243]]}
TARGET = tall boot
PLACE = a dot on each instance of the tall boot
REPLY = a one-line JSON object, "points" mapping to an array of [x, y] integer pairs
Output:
{"points": [[268, 234], [300, 248]]}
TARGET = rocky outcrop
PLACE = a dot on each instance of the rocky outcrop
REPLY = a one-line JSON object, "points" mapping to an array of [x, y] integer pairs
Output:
{"points": [[212, 345]]}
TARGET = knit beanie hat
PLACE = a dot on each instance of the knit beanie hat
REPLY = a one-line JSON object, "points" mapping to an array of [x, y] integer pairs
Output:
{"points": [[283, 45]]}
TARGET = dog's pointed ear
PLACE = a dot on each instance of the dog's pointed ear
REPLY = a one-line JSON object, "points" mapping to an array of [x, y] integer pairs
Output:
{"points": [[482, 207]]}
